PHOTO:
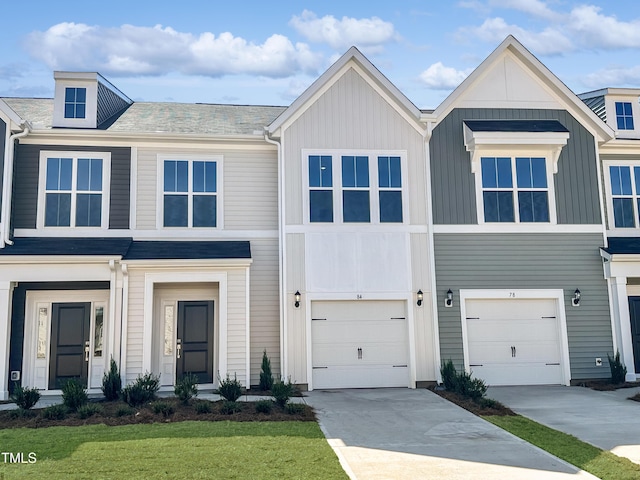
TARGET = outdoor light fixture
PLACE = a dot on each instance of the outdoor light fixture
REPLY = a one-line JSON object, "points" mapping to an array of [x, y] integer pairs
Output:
{"points": [[448, 302], [419, 296], [575, 301], [297, 295]]}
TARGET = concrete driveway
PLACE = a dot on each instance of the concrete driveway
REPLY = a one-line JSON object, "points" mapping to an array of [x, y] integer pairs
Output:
{"points": [[607, 420], [414, 434]]}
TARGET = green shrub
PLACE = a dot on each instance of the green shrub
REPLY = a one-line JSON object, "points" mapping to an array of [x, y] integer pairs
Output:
{"points": [[448, 374], [164, 408], [89, 410], [54, 412], [618, 370], [294, 408], [21, 413], [186, 388], [230, 390], [473, 388], [25, 397], [203, 407], [264, 406], [141, 391], [266, 378], [74, 395], [282, 392], [112, 382], [124, 411], [230, 407]]}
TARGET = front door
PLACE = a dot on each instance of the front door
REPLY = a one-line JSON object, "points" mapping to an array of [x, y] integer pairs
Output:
{"points": [[194, 343], [634, 314], [70, 326]]}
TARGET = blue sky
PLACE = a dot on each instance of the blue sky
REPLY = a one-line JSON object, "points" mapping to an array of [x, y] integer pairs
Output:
{"points": [[267, 53]]}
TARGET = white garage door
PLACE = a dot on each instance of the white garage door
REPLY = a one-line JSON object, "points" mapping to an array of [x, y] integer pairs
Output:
{"points": [[514, 342], [360, 344]]}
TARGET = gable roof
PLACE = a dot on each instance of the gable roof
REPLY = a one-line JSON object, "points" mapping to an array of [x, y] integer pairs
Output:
{"points": [[535, 66], [331, 75]]}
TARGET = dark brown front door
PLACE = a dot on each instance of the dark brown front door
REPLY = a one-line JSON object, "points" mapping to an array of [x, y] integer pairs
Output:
{"points": [[70, 324], [634, 314], [195, 340]]}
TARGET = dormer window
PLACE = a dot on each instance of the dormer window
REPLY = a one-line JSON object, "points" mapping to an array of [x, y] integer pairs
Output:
{"points": [[624, 116], [75, 102]]}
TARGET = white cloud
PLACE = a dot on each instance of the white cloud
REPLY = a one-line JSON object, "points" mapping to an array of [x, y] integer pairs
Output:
{"points": [[536, 8], [613, 77], [134, 50], [596, 30], [439, 77], [366, 33]]}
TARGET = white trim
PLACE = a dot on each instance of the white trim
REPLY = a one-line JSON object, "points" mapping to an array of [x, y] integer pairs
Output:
{"points": [[174, 234], [612, 230], [105, 192], [360, 227], [518, 228], [247, 306], [506, 294], [124, 333], [6, 295], [219, 193]]}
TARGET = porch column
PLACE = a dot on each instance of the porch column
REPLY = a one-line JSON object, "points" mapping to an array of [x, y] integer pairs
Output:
{"points": [[622, 324], [5, 338]]}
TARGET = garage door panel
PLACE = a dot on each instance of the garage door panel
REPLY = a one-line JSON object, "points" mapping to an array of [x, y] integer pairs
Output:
{"points": [[361, 377], [537, 374], [361, 331]]}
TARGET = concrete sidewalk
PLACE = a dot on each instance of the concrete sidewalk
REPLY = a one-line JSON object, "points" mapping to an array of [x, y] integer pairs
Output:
{"points": [[414, 434], [607, 420]]}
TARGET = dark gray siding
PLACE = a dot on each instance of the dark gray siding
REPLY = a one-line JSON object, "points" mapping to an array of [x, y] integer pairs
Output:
{"points": [[529, 261], [25, 184], [109, 104], [3, 133], [453, 185]]}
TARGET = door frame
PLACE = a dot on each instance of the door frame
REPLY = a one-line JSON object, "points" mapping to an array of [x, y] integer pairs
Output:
{"points": [[32, 373], [519, 294], [634, 350]]}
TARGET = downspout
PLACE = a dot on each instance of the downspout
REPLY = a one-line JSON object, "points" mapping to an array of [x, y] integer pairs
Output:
{"points": [[284, 370], [7, 184]]}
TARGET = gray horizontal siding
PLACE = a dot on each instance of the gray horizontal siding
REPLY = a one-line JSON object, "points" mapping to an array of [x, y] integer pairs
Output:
{"points": [[529, 261], [25, 186], [453, 184]]}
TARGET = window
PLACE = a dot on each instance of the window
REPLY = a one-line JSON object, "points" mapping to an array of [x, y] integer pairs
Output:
{"points": [[527, 202], [190, 193], [624, 116], [369, 188], [75, 102], [74, 189], [624, 193]]}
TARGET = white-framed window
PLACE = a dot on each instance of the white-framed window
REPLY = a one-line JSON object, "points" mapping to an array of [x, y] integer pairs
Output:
{"points": [[75, 102], [74, 189], [624, 116], [354, 186], [189, 192], [622, 183], [514, 190]]}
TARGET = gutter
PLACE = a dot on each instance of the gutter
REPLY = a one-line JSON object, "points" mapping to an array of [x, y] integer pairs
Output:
{"points": [[7, 184]]}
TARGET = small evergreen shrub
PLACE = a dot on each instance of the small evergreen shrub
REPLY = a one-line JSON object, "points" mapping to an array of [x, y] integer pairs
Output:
{"points": [[266, 378], [473, 388], [448, 374], [25, 397], [230, 390], [112, 382], [230, 407], [264, 406], [141, 391], [282, 392], [124, 411], [203, 407], [89, 410], [186, 388], [164, 408], [54, 412], [618, 370], [294, 408], [21, 413], [74, 395]]}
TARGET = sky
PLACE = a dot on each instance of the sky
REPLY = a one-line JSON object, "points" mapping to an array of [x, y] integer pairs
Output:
{"points": [[268, 53]]}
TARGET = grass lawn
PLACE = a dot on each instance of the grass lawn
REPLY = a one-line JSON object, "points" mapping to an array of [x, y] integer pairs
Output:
{"points": [[220, 450], [602, 464]]}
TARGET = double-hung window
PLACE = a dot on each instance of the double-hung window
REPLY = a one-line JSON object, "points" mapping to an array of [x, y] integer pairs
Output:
{"points": [[74, 189], [190, 193], [75, 102], [625, 195], [515, 189], [356, 187], [624, 116]]}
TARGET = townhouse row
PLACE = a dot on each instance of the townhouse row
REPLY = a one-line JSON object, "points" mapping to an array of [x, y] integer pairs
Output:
{"points": [[358, 240]]}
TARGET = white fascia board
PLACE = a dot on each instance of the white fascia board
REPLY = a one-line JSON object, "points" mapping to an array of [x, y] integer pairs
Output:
{"points": [[623, 146], [196, 262], [57, 259]]}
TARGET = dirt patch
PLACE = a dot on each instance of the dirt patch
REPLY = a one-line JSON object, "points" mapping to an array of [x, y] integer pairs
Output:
{"points": [[119, 413], [484, 406], [606, 385]]}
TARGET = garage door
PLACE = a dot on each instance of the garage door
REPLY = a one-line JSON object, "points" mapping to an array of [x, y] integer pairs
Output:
{"points": [[514, 342], [360, 344]]}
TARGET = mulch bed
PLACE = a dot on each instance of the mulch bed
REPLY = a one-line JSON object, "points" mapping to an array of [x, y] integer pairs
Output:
{"points": [[606, 385], [482, 407], [111, 413]]}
